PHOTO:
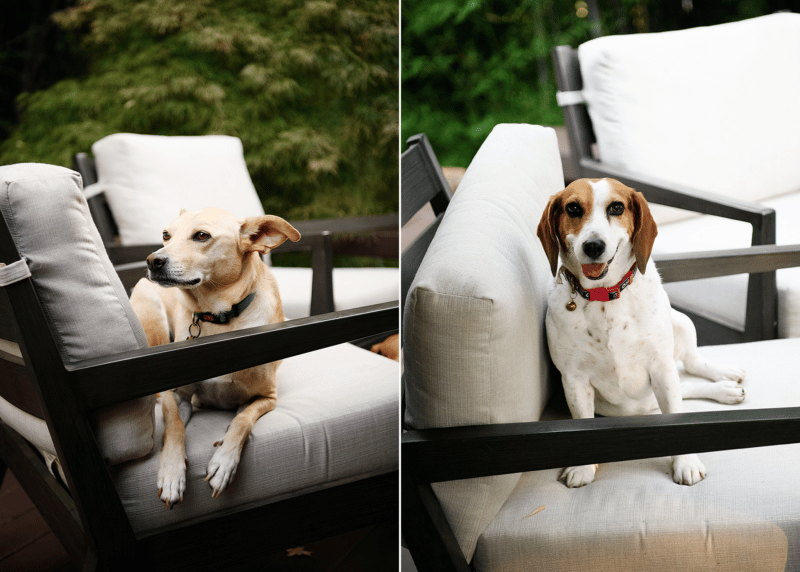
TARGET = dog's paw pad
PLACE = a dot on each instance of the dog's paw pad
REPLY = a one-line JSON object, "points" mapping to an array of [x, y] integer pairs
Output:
{"points": [[688, 470], [221, 469], [575, 477]]}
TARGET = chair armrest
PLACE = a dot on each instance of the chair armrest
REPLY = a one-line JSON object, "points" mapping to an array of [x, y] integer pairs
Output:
{"points": [[119, 254], [130, 273], [681, 196], [128, 375], [386, 227], [434, 455], [347, 224], [709, 264], [317, 235]]}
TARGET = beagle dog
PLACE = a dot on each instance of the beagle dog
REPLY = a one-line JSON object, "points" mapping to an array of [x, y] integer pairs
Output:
{"points": [[610, 327]]}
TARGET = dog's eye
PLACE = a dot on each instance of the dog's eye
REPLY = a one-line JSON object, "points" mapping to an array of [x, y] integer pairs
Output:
{"points": [[615, 209], [201, 236], [166, 235], [574, 210]]}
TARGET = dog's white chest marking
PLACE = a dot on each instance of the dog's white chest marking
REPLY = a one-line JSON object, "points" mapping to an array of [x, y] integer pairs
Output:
{"points": [[610, 345]]}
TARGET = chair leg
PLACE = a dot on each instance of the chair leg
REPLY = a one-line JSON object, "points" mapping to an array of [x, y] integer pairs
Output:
{"points": [[426, 530], [3, 468]]}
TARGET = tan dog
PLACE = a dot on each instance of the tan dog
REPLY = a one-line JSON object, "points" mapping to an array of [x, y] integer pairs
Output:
{"points": [[208, 279]]}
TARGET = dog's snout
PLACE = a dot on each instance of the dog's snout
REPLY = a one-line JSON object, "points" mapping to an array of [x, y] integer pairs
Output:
{"points": [[156, 261], [594, 248]]}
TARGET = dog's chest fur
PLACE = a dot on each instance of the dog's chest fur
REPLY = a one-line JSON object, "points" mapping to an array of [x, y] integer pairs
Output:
{"points": [[231, 390], [612, 344]]}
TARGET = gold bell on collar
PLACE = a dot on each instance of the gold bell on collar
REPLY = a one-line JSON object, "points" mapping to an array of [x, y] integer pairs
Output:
{"points": [[571, 305]]}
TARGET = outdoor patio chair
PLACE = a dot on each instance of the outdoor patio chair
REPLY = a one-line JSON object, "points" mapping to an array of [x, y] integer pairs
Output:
{"points": [[78, 385], [705, 120], [144, 181], [487, 429]]}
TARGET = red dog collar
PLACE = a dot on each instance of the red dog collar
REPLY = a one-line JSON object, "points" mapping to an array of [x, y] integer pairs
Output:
{"points": [[601, 294]]}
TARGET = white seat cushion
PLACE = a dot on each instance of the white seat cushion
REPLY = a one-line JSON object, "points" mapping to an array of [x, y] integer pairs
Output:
{"points": [[148, 179], [714, 108], [473, 335], [352, 288], [724, 299], [744, 516], [336, 421]]}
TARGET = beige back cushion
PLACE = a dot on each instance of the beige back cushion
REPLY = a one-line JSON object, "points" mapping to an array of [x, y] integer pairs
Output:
{"points": [[148, 179], [473, 329], [82, 298]]}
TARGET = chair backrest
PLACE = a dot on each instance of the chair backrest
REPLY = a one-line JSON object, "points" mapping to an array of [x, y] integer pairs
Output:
{"points": [[147, 179], [98, 205], [473, 326], [83, 304], [713, 108], [423, 183]]}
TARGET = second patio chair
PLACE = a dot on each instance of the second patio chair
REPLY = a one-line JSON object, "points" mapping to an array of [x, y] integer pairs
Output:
{"points": [[705, 120], [144, 181]]}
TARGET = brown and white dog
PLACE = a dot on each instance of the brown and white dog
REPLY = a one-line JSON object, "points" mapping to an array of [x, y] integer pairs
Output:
{"points": [[209, 279], [610, 327]]}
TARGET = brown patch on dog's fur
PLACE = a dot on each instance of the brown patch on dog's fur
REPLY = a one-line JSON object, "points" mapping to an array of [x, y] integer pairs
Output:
{"points": [[555, 224]]}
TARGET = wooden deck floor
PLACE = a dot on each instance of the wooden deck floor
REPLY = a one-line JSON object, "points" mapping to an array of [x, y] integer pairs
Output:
{"points": [[28, 545]]}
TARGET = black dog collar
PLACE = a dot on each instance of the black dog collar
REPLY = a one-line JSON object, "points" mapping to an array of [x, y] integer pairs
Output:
{"points": [[225, 317], [221, 318]]}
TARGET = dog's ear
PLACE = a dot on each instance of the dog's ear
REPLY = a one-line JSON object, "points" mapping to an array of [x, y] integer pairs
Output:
{"points": [[182, 211], [263, 233], [548, 231], [644, 230]]}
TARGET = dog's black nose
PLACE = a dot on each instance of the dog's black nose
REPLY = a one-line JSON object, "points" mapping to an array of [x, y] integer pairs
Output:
{"points": [[594, 248], [156, 261]]}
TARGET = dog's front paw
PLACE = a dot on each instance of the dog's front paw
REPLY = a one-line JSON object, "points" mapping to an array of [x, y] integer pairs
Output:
{"points": [[687, 469], [732, 373], [575, 477], [729, 392], [222, 468], [172, 477]]}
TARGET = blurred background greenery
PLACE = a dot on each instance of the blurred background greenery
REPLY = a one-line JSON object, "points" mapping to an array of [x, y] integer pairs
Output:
{"points": [[468, 65], [310, 87]]}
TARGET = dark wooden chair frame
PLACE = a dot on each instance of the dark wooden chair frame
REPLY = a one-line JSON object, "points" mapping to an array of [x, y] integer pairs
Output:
{"points": [[436, 455], [375, 236], [88, 518], [762, 294], [420, 171]]}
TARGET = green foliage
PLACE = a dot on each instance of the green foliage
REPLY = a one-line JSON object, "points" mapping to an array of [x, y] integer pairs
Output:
{"points": [[467, 66], [310, 87]]}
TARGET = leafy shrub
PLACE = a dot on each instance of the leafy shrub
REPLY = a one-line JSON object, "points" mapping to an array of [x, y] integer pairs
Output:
{"points": [[310, 87]]}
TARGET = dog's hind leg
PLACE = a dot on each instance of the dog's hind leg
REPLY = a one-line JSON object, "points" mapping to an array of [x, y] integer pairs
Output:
{"points": [[172, 463], [693, 362]]}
